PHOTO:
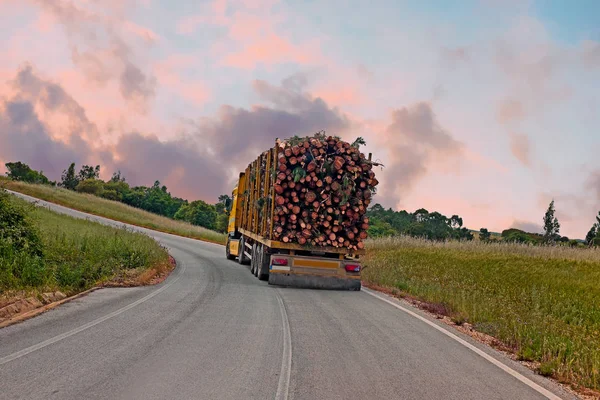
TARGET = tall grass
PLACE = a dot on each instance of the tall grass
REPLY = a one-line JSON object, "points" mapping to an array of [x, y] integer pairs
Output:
{"points": [[113, 210], [76, 254], [544, 302]]}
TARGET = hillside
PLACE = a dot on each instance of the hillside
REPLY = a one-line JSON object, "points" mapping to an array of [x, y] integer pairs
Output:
{"points": [[112, 209], [42, 251]]}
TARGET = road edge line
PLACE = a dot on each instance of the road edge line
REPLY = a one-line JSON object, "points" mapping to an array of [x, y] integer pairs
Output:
{"points": [[58, 338], [283, 387], [523, 379], [36, 311]]}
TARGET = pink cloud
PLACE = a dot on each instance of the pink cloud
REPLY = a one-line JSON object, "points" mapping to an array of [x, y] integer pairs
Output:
{"points": [[270, 50]]}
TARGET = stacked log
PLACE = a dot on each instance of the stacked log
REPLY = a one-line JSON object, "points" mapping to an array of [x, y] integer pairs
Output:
{"points": [[322, 189]]}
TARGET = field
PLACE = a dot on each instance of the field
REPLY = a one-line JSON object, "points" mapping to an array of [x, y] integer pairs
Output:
{"points": [[542, 302], [74, 254], [113, 210]]}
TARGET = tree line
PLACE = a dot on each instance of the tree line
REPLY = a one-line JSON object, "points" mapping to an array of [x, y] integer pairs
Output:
{"points": [[155, 199], [382, 222]]}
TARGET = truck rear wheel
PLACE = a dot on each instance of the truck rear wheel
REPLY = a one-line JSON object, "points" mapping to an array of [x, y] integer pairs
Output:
{"points": [[263, 264], [228, 251], [253, 260], [242, 259]]}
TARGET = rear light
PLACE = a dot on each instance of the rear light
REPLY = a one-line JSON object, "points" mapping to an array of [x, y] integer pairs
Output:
{"points": [[352, 268], [279, 261]]}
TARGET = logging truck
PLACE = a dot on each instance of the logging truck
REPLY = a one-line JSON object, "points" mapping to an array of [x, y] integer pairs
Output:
{"points": [[292, 224]]}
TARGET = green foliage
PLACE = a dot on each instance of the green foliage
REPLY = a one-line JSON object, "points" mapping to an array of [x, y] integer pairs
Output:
{"points": [[76, 254], [68, 178], [89, 172], [358, 142], [91, 186], [593, 236], [117, 177], [19, 171], [17, 229], [198, 213], [514, 235], [222, 222], [551, 225], [298, 173], [484, 235], [114, 210], [421, 223]]}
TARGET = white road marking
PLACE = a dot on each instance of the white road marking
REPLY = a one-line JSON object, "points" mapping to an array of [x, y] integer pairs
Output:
{"points": [[286, 361], [468, 345], [48, 342]]}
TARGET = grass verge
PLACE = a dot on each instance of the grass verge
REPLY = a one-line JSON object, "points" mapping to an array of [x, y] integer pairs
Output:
{"points": [[541, 302], [70, 254], [114, 210]]}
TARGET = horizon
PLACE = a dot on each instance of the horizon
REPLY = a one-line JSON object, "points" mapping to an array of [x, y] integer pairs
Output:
{"points": [[483, 109]]}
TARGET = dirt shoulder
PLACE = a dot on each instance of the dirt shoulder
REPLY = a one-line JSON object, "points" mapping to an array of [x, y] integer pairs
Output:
{"points": [[23, 305]]}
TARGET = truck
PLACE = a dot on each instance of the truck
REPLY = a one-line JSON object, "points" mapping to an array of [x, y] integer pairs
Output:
{"points": [[254, 235]]}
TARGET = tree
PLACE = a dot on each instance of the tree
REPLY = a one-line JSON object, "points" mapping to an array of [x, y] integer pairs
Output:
{"points": [[68, 178], [222, 222], [19, 171], [221, 206], [117, 177], [594, 233], [89, 172], [551, 225], [91, 186], [198, 213], [456, 222], [484, 235]]}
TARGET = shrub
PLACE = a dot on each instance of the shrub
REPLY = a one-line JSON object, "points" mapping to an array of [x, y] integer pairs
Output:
{"points": [[91, 186], [17, 230]]}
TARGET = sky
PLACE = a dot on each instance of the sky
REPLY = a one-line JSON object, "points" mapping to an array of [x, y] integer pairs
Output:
{"points": [[486, 108]]}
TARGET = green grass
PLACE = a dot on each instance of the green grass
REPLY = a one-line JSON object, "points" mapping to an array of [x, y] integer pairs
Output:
{"points": [[113, 210], [77, 254], [543, 302]]}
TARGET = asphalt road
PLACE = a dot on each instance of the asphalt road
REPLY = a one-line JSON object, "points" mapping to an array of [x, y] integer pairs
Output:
{"points": [[213, 331]]}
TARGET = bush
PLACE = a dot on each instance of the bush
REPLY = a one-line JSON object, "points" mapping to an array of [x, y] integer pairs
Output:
{"points": [[91, 186], [17, 230]]}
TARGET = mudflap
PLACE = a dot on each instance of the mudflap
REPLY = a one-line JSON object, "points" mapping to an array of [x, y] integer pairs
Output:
{"points": [[314, 282]]}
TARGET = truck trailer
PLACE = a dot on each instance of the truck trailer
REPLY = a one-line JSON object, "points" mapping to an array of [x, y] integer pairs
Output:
{"points": [[257, 213]]}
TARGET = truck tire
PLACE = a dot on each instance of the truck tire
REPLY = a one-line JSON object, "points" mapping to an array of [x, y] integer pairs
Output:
{"points": [[242, 259], [263, 265], [257, 257], [253, 260], [227, 251]]}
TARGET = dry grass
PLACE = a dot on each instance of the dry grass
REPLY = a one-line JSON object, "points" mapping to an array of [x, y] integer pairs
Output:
{"points": [[543, 302], [114, 210]]}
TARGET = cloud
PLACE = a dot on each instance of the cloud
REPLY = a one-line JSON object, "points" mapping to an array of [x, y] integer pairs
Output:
{"points": [[23, 137], [186, 169], [591, 54], [241, 132], [134, 84], [593, 183], [414, 139], [510, 110], [520, 148], [197, 164], [102, 46], [454, 56], [527, 226], [52, 98]]}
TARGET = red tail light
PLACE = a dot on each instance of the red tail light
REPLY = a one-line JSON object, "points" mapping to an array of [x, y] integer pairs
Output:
{"points": [[352, 268], [279, 261]]}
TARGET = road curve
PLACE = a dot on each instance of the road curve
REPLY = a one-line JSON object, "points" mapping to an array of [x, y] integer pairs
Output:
{"points": [[213, 331]]}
